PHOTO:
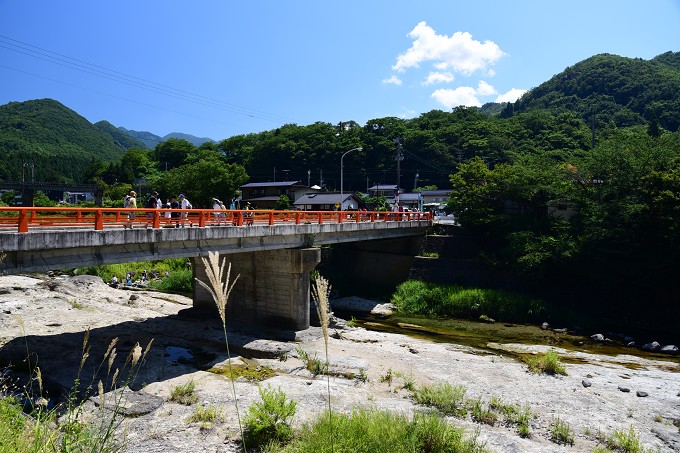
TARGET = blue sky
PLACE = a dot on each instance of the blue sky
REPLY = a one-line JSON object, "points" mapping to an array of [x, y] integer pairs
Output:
{"points": [[222, 68]]}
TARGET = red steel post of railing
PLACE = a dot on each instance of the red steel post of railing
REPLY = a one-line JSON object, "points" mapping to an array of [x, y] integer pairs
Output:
{"points": [[271, 217], [340, 216], [156, 219], [23, 221], [320, 217], [79, 216], [201, 218], [297, 218], [98, 220]]}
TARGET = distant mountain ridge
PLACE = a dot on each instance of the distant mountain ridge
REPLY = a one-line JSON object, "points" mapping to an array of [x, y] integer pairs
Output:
{"points": [[150, 140]]}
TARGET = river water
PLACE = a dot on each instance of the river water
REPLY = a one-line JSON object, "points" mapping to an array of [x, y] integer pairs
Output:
{"points": [[486, 337]]}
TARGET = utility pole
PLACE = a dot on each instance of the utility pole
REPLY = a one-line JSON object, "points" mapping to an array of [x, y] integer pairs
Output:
{"points": [[399, 158]]}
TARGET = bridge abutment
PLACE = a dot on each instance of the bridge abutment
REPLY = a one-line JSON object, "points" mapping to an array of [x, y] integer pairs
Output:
{"points": [[272, 288]]}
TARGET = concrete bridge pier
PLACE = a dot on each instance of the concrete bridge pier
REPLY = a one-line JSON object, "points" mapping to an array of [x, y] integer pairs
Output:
{"points": [[272, 288]]}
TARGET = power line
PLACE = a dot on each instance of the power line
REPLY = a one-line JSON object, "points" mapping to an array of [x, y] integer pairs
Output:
{"points": [[130, 80]]}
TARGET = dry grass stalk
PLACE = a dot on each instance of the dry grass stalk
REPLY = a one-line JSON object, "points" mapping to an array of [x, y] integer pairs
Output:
{"points": [[320, 291], [220, 288]]}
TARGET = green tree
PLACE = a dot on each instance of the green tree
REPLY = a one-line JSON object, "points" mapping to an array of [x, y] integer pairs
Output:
{"points": [[172, 153], [202, 180], [283, 203]]}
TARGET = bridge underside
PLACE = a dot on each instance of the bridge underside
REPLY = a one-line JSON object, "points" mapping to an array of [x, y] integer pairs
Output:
{"points": [[273, 262], [272, 287]]}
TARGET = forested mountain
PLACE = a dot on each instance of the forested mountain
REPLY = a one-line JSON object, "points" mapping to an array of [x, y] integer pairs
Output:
{"points": [[150, 140], [122, 137], [612, 89], [54, 141]]}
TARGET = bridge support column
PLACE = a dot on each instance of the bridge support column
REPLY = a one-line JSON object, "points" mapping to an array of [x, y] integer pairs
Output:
{"points": [[272, 288]]}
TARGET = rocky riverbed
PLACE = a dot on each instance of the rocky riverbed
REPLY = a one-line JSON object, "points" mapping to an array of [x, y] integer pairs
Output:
{"points": [[48, 317]]}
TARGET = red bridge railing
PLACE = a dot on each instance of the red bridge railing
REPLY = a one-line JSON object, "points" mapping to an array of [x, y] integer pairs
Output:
{"points": [[24, 219]]}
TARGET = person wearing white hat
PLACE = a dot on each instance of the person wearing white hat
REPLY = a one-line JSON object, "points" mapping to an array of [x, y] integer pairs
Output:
{"points": [[184, 203]]}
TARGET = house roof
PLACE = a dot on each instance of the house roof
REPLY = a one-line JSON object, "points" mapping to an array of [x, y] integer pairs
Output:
{"points": [[255, 200], [273, 184], [324, 198], [383, 187], [436, 192], [409, 196]]}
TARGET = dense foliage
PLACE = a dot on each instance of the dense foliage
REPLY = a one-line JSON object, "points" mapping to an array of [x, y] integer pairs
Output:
{"points": [[619, 244]]}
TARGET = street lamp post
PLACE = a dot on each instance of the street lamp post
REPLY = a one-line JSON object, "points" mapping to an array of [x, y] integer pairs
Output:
{"points": [[342, 175]]}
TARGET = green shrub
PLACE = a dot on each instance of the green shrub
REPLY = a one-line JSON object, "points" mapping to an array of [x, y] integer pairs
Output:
{"points": [[430, 299], [548, 363], [179, 277], [177, 281], [268, 421]]}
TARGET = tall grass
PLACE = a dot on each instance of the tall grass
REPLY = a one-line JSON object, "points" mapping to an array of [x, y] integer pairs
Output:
{"points": [[430, 299], [381, 431], [219, 286], [320, 291], [63, 428]]}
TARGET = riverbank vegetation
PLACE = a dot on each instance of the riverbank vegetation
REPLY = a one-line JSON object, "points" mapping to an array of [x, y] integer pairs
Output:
{"points": [[416, 297], [178, 279]]}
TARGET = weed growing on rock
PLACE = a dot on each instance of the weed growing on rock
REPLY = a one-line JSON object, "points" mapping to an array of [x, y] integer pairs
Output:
{"points": [[446, 398], [206, 416], [312, 364], [625, 441], [482, 413], [561, 433], [548, 363], [184, 393]]}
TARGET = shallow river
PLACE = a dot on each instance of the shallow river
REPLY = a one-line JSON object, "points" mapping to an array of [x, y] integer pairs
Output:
{"points": [[484, 335]]}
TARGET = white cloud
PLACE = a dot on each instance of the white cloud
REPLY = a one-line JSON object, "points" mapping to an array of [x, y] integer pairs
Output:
{"points": [[467, 96], [394, 80], [511, 96], [459, 52], [438, 77], [456, 97], [484, 89]]}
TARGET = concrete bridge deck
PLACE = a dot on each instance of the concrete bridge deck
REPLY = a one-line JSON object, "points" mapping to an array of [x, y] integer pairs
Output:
{"points": [[273, 256]]}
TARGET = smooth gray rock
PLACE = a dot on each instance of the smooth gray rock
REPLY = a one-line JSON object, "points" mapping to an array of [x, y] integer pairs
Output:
{"points": [[670, 349], [586, 383], [129, 403], [653, 346], [641, 393], [597, 337], [624, 389]]}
